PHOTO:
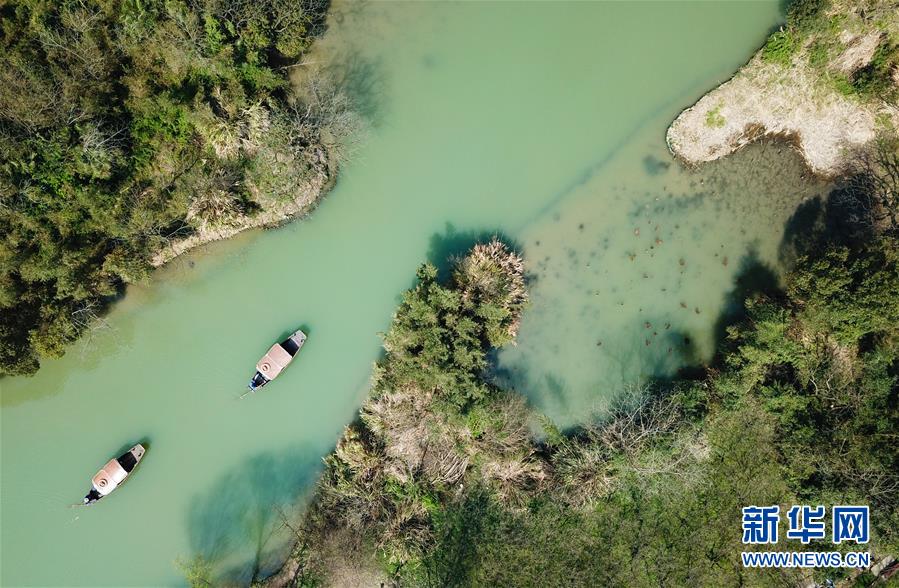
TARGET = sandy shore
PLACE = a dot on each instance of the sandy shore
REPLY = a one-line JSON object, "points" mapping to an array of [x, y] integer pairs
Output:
{"points": [[794, 101]]}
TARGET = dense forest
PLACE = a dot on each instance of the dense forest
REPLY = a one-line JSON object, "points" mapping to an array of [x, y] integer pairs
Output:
{"points": [[128, 124]]}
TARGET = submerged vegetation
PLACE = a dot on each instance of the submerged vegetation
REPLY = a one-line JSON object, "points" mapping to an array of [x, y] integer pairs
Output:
{"points": [[442, 482], [126, 126]]}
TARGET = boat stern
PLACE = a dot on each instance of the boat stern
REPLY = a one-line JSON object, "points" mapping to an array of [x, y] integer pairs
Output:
{"points": [[92, 497], [256, 382]]}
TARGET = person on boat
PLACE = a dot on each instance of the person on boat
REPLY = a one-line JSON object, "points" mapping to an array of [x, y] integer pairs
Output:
{"points": [[92, 496]]}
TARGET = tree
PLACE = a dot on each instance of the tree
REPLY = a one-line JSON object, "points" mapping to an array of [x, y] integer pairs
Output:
{"points": [[125, 125]]}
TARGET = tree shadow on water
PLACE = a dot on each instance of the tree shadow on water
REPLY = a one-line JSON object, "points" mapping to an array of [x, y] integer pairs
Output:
{"points": [[753, 277], [240, 516], [446, 247], [817, 223], [655, 166], [801, 228], [543, 389], [362, 79]]}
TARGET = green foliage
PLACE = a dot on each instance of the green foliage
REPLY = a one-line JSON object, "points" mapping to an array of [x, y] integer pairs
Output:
{"points": [[781, 47], [440, 333], [111, 123], [825, 363], [801, 408], [714, 118], [801, 13], [842, 84], [875, 80], [197, 572], [435, 343], [809, 22], [553, 436], [849, 294], [161, 126]]}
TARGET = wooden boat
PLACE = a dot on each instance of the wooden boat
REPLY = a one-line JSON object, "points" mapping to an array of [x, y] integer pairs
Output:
{"points": [[114, 473], [275, 360]]}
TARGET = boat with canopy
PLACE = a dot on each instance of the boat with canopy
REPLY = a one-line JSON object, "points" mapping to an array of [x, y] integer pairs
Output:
{"points": [[275, 360], [114, 473]]}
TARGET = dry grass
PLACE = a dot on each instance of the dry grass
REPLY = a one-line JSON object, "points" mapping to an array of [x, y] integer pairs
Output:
{"points": [[858, 52], [274, 215], [492, 272], [798, 99], [340, 560], [825, 123], [293, 154]]}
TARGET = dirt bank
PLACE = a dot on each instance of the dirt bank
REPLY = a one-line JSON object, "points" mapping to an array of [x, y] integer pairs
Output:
{"points": [[829, 83], [272, 214]]}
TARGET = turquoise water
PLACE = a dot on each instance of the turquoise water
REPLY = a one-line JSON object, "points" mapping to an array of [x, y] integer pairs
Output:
{"points": [[543, 121]]}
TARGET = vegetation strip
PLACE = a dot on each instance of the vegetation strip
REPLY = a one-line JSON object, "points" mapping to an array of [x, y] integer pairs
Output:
{"points": [[439, 482]]}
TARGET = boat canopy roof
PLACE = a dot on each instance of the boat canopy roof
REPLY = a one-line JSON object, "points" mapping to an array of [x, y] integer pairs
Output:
{"points": [[109, 477], [275, 360]]}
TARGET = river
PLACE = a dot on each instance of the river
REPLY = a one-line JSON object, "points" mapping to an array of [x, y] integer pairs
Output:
{"points": [[542, 121]]}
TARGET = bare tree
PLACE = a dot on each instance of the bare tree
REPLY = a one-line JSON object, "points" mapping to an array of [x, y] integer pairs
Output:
{"points": [[326, 112], [588, 465], [870, 195], [87, 320]]}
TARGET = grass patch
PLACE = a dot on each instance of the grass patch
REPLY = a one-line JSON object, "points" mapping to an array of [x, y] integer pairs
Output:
{"points": [[843, 85], [875, 80], [825, 47], [714, 119], [781, 47]]}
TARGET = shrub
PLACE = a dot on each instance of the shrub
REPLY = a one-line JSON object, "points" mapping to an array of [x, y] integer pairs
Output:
{"points": [[109, 115], [875, 80], [781, 47], [801, 13]]}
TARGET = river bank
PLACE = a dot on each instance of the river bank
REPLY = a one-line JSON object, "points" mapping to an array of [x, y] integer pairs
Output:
{"points": [[827, 82], [272, 213], [179, 347], [430, 428], [441, 479], [221, 124]]}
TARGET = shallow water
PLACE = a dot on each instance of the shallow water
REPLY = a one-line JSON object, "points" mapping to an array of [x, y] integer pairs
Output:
{"points": [[544, 121], [637, 272]]}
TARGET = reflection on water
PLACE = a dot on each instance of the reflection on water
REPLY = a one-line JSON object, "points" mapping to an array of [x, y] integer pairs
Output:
{"points": [[638, 272], [243, 512], [449, 245]]}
